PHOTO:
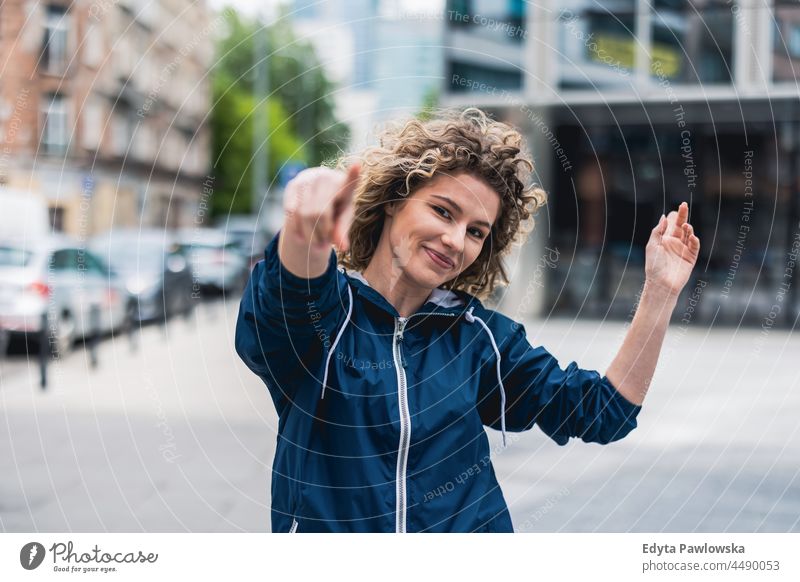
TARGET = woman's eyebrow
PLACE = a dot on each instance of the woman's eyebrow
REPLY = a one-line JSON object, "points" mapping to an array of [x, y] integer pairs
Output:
{"points": [[459, 210]]}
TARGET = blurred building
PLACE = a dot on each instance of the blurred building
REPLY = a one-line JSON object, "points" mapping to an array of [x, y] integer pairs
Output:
{"points": [[385, 55], [631, 107], [103, 109]]}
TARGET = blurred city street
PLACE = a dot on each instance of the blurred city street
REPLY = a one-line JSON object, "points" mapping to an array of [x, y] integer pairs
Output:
{"points": [[178, 435]]}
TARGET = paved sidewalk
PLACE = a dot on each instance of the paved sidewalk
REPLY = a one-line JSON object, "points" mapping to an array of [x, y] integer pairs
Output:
{"points": [[179, 436]]}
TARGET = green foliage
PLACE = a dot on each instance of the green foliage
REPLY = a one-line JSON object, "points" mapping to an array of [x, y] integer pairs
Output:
{"points": [[301, 121], [430, 103]]}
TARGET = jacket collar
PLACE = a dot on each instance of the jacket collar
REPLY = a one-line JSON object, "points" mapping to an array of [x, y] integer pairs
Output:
{"points": [[439, 299]]}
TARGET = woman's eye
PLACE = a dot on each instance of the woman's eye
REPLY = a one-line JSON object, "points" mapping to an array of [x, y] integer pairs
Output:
{"points": [[477, 233], [442, 211]]}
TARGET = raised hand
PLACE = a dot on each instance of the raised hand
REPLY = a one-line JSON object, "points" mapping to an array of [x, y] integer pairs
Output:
{"points": [[319, 209], [318, 206], [672, 251]]}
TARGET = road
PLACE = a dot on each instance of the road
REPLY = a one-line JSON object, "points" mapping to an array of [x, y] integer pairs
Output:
{"points": [[178, 435]]}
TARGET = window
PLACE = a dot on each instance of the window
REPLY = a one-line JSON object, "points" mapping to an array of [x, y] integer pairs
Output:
{"points": [[466, 77], [64, 260], [794, 41], [692, 40], [54, 46], [501, 21], [597, 45], [55, 137], [14, 257], [91, 264], [56, 214], [786, 41]]}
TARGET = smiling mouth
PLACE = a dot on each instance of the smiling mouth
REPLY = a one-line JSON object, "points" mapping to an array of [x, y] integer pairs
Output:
{"points": [[439, 259]]}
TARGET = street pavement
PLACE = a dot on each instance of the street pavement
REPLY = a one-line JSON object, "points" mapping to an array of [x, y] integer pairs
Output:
{"points": [[178, 435]]}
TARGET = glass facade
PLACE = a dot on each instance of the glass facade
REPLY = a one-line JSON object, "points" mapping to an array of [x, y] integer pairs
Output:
{"points": [[641, 134], [740, 179], [692, 42], [503, 21], [786, 41], [501, 24], [688, 42], [597, 43]]}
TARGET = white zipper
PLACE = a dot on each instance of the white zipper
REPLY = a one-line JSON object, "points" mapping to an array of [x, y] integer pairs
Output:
{"points": [[405, 427], [293, 529], [401, 502]]}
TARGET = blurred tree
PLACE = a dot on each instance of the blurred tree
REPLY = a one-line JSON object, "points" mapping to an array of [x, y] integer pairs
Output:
{"points": [[301, 118], [430, 103], [232, 131]]}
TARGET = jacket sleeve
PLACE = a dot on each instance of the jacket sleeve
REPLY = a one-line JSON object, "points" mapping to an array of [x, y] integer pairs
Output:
{"points": [[286, 324], [564, 403]]}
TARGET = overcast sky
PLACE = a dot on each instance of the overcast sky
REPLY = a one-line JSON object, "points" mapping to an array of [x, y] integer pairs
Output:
{"points": [[270, 6]]}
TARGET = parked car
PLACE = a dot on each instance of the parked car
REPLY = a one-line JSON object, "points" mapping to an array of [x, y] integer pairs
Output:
{"points": [[248, 235], [56, 277], [216, 261], [155, 271]]}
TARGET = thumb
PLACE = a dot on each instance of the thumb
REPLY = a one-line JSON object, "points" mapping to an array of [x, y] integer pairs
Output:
{"points": [[660, 229]]}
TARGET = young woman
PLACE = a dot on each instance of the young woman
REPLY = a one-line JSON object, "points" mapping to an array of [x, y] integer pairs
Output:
{"points": [[385, 371]]}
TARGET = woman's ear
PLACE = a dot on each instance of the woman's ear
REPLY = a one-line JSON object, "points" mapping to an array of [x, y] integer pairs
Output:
{"points": [[391, 208]]}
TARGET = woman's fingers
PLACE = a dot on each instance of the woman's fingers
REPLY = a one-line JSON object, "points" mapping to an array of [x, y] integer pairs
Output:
{"points": [[316, 202], [677, 220], [323, 228], [683, 214], [344, 196], [693, 241]]}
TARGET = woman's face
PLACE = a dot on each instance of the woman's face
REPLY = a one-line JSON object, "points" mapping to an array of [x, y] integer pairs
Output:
{"points": [[439, 231]]}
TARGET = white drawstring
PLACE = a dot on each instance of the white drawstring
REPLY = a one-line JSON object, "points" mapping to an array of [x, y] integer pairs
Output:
{"points": [[471, 318], [336, 341]]}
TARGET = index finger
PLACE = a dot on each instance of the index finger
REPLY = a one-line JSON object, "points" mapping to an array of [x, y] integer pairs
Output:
{"points": [[683, 214]]}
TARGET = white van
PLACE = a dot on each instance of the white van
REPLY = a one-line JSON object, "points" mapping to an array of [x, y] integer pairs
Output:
{"points": [[23, 216]]}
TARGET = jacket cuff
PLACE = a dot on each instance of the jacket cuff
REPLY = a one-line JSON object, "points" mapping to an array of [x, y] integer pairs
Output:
{"points": [[291, 281], [630, 409]]}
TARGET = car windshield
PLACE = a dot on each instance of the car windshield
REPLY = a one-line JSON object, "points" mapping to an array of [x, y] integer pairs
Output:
{"points": [[130, 255], [14, 257]]}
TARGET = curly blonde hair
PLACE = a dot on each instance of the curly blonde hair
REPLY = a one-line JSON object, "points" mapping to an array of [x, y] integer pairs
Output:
{"points": [[412, 152]]}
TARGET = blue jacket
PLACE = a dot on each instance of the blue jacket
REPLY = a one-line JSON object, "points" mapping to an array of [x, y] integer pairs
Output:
{"points": [[381, 418]]}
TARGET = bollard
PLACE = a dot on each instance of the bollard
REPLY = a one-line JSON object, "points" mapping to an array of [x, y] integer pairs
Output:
{"points": [[94, 334], [131, 324], [44, 350], [5, 339]]}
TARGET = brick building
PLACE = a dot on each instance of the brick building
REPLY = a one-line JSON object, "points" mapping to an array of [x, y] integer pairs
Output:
{"points": [[103, 109]]}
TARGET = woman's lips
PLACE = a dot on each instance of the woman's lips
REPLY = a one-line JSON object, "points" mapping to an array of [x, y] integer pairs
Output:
{"points": [[440, 260]]}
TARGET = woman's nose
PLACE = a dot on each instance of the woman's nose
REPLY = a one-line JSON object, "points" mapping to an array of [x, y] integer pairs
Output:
{"points": [[454, 238]]}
